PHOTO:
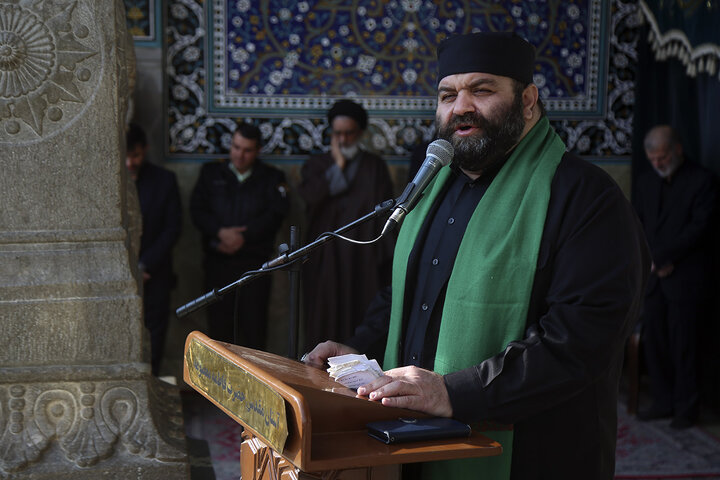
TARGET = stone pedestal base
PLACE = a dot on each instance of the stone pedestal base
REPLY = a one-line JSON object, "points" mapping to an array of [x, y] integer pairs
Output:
{"points": [[97, 422]]}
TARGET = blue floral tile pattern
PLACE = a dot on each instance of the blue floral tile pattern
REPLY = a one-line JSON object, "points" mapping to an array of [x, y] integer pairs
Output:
{"points": [[141, 19], [300, 55], [282, 63]]}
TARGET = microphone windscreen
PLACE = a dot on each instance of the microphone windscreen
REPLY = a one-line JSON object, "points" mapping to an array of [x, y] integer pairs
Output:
{"points": [[442, 150]]}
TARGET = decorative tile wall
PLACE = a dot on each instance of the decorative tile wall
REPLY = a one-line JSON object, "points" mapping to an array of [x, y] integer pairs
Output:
{"points": [[143, 21], [282, 63]]}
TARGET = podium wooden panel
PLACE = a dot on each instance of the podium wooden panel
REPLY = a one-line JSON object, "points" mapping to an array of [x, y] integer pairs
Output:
{"points": [[326, 421]]}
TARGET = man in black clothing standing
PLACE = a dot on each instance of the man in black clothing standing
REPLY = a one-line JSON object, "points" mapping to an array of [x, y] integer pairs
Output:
{"points": [[238, 206], [161, 222], [676, 204], [517, 279], [338, 187]]}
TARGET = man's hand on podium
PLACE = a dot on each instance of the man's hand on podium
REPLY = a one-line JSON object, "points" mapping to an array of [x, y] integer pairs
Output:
{"points": [[406, 387], [318, 356], [412, 388]]}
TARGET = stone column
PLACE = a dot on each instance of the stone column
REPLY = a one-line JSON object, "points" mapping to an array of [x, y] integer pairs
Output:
{"points": [[76, 396]]}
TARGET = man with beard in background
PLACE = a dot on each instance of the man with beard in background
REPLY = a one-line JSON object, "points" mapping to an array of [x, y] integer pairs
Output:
{"points": [[676, 202], [517, 279], [338, 187]]}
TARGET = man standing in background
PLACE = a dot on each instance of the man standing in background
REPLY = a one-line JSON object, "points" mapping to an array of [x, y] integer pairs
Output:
{"points": [[340, 279], [238, 206], [161, 222], [676, 203]]}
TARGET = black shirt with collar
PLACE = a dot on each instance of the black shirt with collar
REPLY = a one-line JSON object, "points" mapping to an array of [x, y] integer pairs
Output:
{"points": [[431, 263]]}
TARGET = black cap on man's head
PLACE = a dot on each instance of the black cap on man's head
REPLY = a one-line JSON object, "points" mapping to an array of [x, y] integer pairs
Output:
{"points": [[498, 53], [348, 108]]}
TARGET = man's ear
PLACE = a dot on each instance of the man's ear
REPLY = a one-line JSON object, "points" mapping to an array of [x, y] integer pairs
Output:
{"points": [[530, 98]]}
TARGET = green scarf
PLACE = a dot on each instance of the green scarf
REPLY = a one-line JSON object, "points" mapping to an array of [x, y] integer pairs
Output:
{"points": [[489, 288]]}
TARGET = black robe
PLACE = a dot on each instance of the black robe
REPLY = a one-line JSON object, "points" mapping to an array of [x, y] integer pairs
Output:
{"points": [[558, 385], [340, 278]]}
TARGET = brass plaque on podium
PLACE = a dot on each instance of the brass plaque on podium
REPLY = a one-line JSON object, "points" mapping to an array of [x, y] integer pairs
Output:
{"points": [[243, 395]]}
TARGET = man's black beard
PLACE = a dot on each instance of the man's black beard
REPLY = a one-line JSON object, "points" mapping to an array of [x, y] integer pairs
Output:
{"points": [[481, 152]]}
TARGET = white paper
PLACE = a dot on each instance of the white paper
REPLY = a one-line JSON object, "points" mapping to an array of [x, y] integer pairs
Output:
{"points": [[353, 370]]}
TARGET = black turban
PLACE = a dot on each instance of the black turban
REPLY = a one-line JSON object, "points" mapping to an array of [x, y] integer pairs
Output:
{"points": [[348, 108], [499, 53]]}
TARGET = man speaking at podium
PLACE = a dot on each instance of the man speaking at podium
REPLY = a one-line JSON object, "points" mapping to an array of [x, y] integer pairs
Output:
{"points": [[516, 281]]}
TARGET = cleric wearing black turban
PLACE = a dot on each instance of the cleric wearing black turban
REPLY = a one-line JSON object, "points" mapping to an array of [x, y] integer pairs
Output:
{"points": [[338, 187], [517, 279], [348, 108]]}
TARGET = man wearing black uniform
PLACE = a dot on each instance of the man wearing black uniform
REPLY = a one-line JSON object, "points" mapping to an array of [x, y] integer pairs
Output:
{"points": [[517, 279], [159, 198], [238, 206]]}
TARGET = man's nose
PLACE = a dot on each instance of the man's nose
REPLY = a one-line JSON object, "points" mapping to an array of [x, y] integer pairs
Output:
{"points": [[463, 103]]}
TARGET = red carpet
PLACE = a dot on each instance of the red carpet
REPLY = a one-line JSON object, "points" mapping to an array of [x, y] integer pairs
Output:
{"points": [[653, 450], [205, 422]]}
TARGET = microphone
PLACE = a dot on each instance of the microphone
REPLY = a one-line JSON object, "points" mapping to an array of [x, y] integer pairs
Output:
{"points": [[438, 154]]}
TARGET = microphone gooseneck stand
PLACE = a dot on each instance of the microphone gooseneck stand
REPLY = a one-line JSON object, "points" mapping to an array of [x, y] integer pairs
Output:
{"points": [[290, 258], [294, 280]]}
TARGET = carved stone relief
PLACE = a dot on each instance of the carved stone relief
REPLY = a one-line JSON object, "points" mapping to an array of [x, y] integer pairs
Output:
{"points": [[49, 67], [89, 421]]}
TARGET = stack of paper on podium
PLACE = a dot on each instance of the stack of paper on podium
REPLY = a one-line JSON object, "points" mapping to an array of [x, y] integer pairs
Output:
{"points": [[354, 370]]}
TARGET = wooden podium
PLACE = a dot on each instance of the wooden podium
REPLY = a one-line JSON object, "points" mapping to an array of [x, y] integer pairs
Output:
{"points": [[322, 434]]}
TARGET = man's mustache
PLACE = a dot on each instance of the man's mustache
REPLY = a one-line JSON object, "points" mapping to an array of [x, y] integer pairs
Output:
{"points": [[471, 119]]}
